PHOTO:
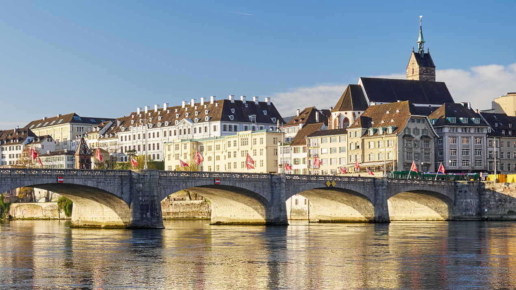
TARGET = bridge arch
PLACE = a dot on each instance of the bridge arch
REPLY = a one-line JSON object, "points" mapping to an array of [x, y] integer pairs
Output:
{"points": [[419, 205], [102, 202], [336, 204]]}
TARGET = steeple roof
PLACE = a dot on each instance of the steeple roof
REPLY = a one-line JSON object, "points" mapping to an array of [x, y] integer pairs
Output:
{"points": [[421, 39]]}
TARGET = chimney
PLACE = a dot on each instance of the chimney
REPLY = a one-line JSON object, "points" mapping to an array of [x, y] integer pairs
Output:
{"points": [[202, 101], [192, 102], [156, 108], [146, 108], [183, 104], [58, 115], [317, 116], [255, 100], [137, 110], [242, 98], [231, 98], [297, 112], [212, 99], [44, 118], [165, 106], [268, 100]]}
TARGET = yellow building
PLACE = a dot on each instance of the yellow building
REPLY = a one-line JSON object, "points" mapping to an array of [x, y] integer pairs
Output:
{"points": [[226, 154], [329, 147], [505, 104]]}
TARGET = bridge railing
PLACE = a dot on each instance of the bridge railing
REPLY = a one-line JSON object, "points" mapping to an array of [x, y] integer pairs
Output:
{"points": [[61, 172], [329, 178], [214, 174], [419, 181]]}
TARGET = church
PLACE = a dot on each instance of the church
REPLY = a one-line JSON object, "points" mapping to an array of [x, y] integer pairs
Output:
{"points": [[419, 88]]}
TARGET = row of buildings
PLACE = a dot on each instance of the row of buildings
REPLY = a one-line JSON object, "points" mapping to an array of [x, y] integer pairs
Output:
{"points": [[383, 125]]}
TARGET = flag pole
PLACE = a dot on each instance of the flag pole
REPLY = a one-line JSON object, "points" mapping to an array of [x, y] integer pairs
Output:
{"points": [[437, 171]]}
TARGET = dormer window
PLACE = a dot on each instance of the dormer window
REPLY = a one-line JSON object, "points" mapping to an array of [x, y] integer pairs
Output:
{"points": [[388, 112], [252, 118], [264, 112], [167, 123], [452, 120], [397, 111], [177, 122], [196, 120], [503, 132], [510, 125], [232, 110], [196, 113], [187, 114], [273, 120], [463, 120], [206, 118], [177, 115], [231, 117], [132, 121], [371, 131], [206, 112], [159, 118], [496, 124]]}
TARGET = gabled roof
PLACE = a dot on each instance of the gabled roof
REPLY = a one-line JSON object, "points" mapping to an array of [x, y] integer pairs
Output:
{"points": [[308, 129], [380, 90], [500, 123], [386, 115], [461, 112], [16, 136], [220, 110], [308, 116], [352, 99], [64, 119], [423, 60]]}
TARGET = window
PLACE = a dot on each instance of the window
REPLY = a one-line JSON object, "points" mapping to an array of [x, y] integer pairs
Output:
{"points": [[465, 163], [408, 155], [371, 144], [478, 152], [452, 140], [453, 152], [478, 163], [465, 140], [426, 143], [324, 140], [478, 140], [453, 163], [465, 152], [452, 120]]}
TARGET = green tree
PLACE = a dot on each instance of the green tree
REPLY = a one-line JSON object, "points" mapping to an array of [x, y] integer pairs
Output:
{"points": [[65, 205], [4, 207]]}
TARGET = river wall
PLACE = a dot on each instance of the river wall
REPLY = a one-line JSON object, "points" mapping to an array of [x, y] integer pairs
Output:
{"points": [[185, 209], [498, 201], [40, 210]]}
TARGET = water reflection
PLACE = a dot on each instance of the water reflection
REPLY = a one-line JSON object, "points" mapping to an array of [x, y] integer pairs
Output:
{"points": [[195, 255]]}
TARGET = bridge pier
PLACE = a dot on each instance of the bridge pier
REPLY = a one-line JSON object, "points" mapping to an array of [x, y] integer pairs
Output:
{"points": [[145, 201], [381, 208]]}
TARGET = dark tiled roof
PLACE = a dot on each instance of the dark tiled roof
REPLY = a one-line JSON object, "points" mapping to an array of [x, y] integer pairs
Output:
{"points": [[16, 136], [328, 132], [462, 114], [308, 129], [63, 119], [59, 152], [219, 110], [308, 116], [386, 115], [424, 60], [501, 123], [426, 110], [352, 99], [418, 92]]}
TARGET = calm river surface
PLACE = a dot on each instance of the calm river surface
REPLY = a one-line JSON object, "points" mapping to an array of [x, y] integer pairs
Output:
{"points": [[195, 255]]}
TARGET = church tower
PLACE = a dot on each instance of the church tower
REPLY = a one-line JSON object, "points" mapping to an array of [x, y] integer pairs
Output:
{"points": [[421, 67]]}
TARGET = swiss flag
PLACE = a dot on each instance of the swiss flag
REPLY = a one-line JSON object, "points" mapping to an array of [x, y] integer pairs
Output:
{"points": [[134, 163], [249, 162], [357, 166], [317, 162], [98, 155], [414, 167], [33, 154], [343, 170], [369, 172], [198, 158], [287, 167], [182, 163], [441, 169]]}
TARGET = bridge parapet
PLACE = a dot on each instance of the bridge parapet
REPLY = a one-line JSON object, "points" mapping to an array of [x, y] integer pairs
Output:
{"points": [[214, 175], [61, 172]]}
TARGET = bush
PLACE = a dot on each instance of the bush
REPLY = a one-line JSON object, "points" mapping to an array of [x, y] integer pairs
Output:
{"points": [[65, 205], [4, 207]]}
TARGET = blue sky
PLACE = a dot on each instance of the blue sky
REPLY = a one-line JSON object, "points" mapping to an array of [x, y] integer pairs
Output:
{"points": [[105, 58]]}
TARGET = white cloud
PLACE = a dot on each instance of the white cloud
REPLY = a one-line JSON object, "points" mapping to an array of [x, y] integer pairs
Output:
{"points": [[478, 85]]}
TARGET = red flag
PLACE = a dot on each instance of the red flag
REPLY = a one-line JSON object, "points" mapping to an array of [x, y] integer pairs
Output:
{"points": [[249, 162], [98, 155], [198, 158], [287, 167], [441, 169], [414, 167], [39, 161], [134, 162], [33, 154], [182, 163], [357, 166], [317, 162], [343, 170], [369, 172]]}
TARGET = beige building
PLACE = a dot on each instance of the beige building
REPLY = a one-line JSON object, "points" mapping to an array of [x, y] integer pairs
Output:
{"points": [[64, 129], [505, 104], [390, 137], [329, 147], [226, 153]]}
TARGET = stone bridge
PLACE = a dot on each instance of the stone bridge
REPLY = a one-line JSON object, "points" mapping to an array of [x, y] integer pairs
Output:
{"points": [[118, 198]]}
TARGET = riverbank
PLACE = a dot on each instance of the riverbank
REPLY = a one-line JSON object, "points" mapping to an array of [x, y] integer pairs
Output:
{"points": [[36, 211]]}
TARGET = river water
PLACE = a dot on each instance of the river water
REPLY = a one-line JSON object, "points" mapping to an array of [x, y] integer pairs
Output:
{"points": [[195, 255]]}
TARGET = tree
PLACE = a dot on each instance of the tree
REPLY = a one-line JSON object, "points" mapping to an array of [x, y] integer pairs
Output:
{"points": [[65, 205], [4, 207]]}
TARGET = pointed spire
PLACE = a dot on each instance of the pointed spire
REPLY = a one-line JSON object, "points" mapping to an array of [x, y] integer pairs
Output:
{"points": [[421, 39]]}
